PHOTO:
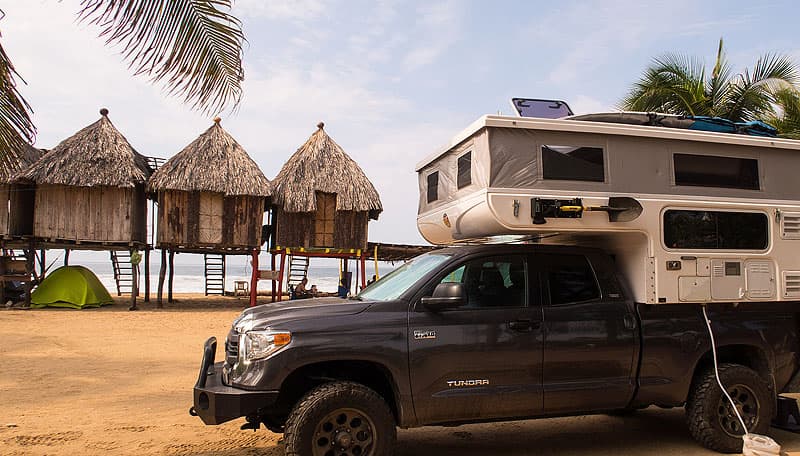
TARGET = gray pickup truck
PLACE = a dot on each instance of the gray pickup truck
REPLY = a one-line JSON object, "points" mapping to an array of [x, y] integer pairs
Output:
{"points": [[489, 333]]}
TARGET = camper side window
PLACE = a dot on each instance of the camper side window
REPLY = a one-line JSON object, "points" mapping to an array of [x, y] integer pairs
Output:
{"points": [[714, 171], [573, 163], [715, 230], [433, 186], [464, 170]]}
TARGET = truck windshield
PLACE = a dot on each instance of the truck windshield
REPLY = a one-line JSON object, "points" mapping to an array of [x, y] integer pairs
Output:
{"points": [[395, 283]]}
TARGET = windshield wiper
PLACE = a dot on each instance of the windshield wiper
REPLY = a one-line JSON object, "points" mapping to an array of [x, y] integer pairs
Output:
{"points": [[355, 298]]}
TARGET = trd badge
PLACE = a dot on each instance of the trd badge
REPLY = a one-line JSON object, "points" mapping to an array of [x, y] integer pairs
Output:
{"points": [[419, 335]]}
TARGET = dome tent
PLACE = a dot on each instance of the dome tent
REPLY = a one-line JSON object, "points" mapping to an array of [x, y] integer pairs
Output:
{"points": [[74, 287]]}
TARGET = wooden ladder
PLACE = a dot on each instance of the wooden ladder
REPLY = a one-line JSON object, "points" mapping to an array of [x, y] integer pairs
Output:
{"points": [[123, 271], [215, 273], [298, 269]]}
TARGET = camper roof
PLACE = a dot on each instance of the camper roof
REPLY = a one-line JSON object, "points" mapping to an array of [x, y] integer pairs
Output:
{"points": [[579, 126]]}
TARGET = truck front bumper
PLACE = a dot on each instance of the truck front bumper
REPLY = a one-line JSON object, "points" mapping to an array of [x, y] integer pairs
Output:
{"points": [[216, 403]]}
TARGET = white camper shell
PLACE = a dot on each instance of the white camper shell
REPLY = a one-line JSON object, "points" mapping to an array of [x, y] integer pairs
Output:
{"points": [[690, 216]]}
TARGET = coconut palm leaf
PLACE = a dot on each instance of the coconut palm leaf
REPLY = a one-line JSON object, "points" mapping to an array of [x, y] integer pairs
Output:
{"points": [[752, 93], [787, 121], [194, 47], [16, 126]]}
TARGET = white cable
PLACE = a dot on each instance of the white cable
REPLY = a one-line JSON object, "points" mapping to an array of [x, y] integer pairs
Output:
{"points": [[716, 372]]}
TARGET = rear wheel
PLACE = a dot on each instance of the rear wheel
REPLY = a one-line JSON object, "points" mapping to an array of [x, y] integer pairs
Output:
{"points": [[710, 416], [340, 419]]}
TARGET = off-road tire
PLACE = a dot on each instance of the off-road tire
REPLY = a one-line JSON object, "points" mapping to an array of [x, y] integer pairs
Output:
{"points": [[703, 406], [323, 400]]}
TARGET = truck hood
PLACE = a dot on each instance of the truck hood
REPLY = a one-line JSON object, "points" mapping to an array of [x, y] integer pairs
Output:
{"points": [[266, 315]]}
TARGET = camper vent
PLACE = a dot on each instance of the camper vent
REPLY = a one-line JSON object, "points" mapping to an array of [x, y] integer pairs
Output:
{"points": [[791, 284], [718, 270], [790, 225]]}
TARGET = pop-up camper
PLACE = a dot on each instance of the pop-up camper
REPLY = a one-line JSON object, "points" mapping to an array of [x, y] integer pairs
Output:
{"points": [[690, 215]]}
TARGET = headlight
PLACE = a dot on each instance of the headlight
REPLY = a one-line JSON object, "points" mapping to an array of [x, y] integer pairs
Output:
{"points": [[260, 344]]}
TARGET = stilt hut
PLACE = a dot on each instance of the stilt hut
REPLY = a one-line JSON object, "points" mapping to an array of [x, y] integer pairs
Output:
{"points": [[16, 214], [323, 198], [323, 204], [90, 190], [211, 199]]}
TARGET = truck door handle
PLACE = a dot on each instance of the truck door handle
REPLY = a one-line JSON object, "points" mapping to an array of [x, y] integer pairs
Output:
{"points": [[630, 323], [523, 325]]}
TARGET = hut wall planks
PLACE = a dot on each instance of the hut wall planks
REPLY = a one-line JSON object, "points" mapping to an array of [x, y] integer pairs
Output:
{"points": [[93, 214], [19, 212], [209, 220], [297, 229]]}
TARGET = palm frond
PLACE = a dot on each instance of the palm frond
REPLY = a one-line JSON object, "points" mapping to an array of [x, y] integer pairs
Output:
{"points": [[752, 92], [787, 120], [193, 46], [16, 127]]}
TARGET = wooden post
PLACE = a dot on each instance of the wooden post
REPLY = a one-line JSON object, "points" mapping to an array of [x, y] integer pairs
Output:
{"points": [[66, 257], [363, 270], [280, 275], [3, 275], [42, 264], [254, 279], [29, 265], [161, 274], [171, 274], [147, 274], [134, 283], [272, 257]]}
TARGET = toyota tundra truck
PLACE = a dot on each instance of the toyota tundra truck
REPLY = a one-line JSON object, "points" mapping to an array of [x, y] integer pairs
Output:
{"points": [[490, 333]]}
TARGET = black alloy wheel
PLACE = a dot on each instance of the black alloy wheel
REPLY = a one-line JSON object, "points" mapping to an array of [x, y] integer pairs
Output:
{"points": [[747, 405], [345, 432]]}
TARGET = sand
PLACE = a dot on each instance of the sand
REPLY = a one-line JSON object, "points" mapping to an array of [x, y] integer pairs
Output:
{"points": [[112, 382]]}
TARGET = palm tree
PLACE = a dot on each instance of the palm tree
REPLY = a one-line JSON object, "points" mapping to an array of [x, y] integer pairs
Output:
{"points": [[787, 117], [676, 84], [192, 47]]}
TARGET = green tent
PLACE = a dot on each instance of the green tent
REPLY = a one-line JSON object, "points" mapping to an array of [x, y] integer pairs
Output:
{"points": [[71, 286]]}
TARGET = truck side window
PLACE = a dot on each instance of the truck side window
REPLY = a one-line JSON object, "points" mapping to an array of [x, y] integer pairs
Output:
{"points": [[492, 282], [570, 279]]}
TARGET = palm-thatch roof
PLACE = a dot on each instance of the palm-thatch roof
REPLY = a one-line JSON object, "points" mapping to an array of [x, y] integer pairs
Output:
{"points": [[26, 157], [214, 162], [97, 155], [320, 165]]}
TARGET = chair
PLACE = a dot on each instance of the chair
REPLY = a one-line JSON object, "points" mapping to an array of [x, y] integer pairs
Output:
{"points": [[241, 286]]}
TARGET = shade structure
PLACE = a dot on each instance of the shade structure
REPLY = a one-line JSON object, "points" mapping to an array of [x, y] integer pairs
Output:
{"points": [[71, 286], [211, 195], [323, 198]]}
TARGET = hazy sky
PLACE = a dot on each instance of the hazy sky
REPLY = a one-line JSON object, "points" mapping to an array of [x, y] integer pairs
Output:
{"points": [[391, 80]]}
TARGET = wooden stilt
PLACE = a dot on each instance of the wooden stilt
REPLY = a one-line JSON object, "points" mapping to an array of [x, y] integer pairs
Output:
{"points": [[272, 257], [66, 257], [42, 264], [134, 283], [254, 279], [29, 265], [280, 275], [171, 275], [147, 274], [162, 272], [363, 271]]}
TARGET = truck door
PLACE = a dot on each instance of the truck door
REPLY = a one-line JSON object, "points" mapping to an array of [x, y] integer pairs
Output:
{"points": [[589, 342], [482, 360]]}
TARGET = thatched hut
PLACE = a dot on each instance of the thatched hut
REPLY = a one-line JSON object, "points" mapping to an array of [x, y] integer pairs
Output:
{"points": [[323, 197], [16, 215], [211, 195], [90, 189]]}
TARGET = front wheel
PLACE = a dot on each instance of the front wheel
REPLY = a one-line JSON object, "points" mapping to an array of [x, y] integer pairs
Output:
{"points": [[710, 416], [340, 419]]}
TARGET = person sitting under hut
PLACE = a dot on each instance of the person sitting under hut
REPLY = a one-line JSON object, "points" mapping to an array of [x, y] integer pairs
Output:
{"points": [[314, 291], [300, 291]]}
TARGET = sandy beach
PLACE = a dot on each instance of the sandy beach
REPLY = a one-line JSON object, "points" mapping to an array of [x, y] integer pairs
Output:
{"points": [[109, 381]]}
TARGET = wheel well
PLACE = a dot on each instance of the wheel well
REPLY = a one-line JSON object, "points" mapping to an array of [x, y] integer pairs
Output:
{"points": [[746, 355], [367, 373]]}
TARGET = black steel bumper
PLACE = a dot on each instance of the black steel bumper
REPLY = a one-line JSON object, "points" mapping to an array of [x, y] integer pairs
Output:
{"points": [[216, 403]]}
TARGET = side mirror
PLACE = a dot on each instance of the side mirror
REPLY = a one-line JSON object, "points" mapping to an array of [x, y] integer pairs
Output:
{"points": [[445, 296]]}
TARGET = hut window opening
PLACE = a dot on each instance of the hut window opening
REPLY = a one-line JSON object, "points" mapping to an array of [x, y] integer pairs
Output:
{"points": [[210, 218], [465, 170], [573, 163], [715, 171], [324, 219], [433, 186]]}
